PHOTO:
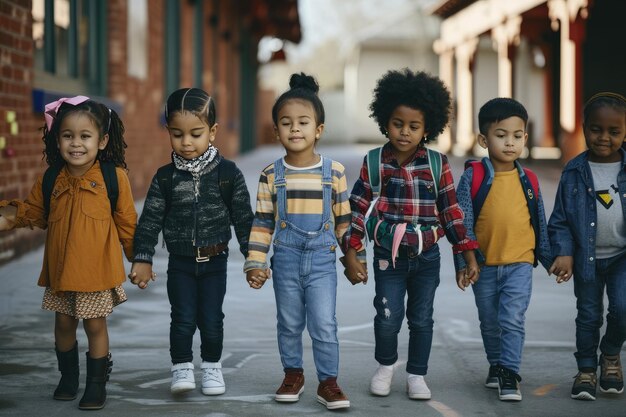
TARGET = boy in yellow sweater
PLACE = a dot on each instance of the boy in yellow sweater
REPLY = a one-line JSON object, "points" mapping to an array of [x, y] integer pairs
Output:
{"points": [[504, 212]]}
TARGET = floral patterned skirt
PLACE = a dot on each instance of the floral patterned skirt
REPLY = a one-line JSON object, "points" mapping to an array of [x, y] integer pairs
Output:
{"points": [[83, 305]]}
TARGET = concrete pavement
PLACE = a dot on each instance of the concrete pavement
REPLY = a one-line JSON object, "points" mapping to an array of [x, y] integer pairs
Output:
{"points": [[139, 384]]}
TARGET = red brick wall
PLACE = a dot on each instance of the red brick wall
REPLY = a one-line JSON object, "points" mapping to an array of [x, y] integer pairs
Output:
{"points": [[142, 99], [20, 160]]}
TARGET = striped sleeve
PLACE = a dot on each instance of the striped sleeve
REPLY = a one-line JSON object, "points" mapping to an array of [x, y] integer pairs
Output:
{"points": [[263, 224], [341, 206]]}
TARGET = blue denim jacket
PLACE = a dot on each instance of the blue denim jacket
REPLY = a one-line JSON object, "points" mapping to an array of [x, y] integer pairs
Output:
{"points": [[572, 225], [543, 253]]}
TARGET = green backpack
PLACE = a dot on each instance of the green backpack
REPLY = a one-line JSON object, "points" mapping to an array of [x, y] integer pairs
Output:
{"points": [[374, 168]]}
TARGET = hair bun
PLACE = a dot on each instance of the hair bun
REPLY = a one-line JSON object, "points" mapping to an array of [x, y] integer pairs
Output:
{"points": [[303, 81]]}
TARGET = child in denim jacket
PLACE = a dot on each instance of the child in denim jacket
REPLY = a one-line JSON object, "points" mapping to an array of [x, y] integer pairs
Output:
{"points": [[588, 235]]}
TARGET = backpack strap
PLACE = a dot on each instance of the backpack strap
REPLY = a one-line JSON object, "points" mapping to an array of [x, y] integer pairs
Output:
{"points": [[164, 179], [373, 169], [226, 171], [434, 163], [110, 181], [479, 188], [478, 175], [47, 185], [534, 182]]}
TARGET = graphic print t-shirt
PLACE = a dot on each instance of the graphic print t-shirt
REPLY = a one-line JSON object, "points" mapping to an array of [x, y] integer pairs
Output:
{"points": [[611, 229]]}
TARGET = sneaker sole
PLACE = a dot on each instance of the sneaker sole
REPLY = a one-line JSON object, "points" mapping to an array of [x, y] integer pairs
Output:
{"points": [[611, 390], [380, 393], [420, 396], [182, 388], [510, 397], [583, 396], [492, 384], [335, 404], [213, 391], [289, 398]]}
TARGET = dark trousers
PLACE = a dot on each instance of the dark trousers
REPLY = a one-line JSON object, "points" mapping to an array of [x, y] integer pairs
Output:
{"points": [[196, 292]]}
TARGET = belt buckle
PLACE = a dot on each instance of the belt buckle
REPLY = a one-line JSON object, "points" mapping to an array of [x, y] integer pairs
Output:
{"points": [[201, 258]]}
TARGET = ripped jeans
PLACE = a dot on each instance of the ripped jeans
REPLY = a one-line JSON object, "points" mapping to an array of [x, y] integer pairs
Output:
{"points": [[418, 278]]}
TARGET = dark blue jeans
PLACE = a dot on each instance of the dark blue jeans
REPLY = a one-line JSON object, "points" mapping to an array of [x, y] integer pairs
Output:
{"points": [[196, 292], [418, 278], [610, 273]]}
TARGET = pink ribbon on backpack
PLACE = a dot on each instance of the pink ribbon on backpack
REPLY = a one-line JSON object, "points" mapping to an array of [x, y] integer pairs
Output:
{"points": [[398, 232], [51, 109]]}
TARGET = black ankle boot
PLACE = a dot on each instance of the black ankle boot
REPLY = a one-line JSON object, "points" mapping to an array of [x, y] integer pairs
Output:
{"points": [[68, 365], [98, 371]]}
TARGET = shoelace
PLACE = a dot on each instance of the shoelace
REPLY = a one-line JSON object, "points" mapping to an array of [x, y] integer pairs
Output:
{"points": [[290, 380], [612, 368], [584, 378], [211, 375], [509, 382], [333, 389], [182, 374]]}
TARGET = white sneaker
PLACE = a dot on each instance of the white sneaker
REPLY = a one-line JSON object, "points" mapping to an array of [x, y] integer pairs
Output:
{"points": [[182, 378], [416, 387], [381, 381], [212, 379]]}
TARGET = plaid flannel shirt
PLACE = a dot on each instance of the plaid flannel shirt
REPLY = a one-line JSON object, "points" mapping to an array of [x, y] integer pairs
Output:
{"points": [[407, 195]]}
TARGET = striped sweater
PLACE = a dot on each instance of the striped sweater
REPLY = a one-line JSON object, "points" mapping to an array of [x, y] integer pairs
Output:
{"points": [[304, 207]]}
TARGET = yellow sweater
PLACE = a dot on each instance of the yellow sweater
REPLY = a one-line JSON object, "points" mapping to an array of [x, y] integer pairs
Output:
{"points": [[503, 228]]}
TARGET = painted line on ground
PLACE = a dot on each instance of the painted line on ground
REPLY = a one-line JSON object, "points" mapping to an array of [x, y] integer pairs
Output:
{"points": [[443, 409]]}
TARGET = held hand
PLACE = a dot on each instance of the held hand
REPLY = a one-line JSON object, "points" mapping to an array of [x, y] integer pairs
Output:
{"points": [[141, 273], [7, 217], [257, 277], [355, 271], [562, 267], [6, 224], [472, 270], [461, 280]]}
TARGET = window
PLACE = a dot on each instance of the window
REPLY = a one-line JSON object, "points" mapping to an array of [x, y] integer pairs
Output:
{"points": [[137, 39], [70, 45]]}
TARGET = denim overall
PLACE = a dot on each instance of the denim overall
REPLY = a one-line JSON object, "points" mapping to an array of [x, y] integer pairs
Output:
{"points": [[305, 281]]}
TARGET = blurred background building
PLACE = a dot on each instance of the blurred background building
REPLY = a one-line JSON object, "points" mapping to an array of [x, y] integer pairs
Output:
{"points": [[552, 55], [129, 54], [549, 54]]}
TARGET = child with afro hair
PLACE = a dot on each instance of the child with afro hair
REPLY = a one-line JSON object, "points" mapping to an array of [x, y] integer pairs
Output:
{"points": [[416, 206]]}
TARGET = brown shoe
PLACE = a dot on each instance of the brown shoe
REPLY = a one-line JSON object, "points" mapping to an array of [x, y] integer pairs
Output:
{"points": [[292, 386], [329, 394]]}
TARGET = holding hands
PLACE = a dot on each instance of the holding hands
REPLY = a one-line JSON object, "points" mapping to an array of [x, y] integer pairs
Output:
{"points": [[141, 273], [562, 267], [355, 271], [468, 275], [257, 277], [7, 217]]}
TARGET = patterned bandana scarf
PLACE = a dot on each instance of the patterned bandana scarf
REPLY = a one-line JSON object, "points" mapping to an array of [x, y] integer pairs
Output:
{"points": [[196, 165]]}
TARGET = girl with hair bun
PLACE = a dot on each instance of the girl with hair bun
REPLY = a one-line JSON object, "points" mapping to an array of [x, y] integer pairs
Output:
{"points": [[302, 200]]}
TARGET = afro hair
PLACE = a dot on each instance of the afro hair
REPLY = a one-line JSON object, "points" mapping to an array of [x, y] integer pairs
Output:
{"points": [[417, 90]]}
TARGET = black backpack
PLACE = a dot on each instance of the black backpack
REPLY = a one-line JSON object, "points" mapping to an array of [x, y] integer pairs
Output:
{"points": [[226, 171], [110, 182]]}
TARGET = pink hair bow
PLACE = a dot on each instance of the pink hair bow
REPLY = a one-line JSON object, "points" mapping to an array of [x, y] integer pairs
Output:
{"points": [[51, 109]]}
